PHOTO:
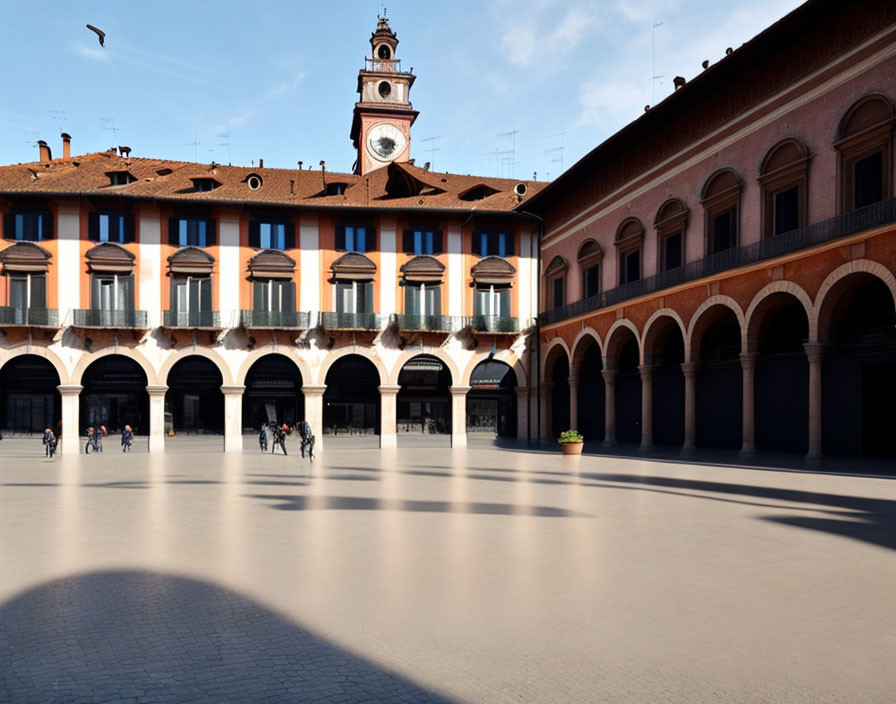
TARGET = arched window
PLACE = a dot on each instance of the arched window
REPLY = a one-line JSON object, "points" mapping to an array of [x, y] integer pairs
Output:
{"points": [[865, 147], [555, 280], [721, 203], [782, 178], [590, 257], [629, 238], [670, 223]]}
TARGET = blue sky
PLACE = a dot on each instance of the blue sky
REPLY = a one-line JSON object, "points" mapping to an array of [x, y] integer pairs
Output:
{"points": [[280, 77]]}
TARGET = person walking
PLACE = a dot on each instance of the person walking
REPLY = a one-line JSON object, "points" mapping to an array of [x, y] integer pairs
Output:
{"points": [[127, 437], [263, 437], [307, 439], [49, 443], [279, 438], [91, 441]]}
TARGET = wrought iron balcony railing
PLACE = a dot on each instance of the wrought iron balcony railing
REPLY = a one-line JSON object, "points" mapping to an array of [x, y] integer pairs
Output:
{"points": [[287, 319], [433, 323], [40, 317], [493, 323], [875, 215], [191, 319], [91, 318], [352, 321], [383, 65]]}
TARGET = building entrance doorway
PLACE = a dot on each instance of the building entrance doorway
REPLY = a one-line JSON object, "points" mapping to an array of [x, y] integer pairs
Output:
{"points": [[29, 400], [424, 401], [352, 398], [273, 393], [194, 403], [491, 401], [114, 394]]}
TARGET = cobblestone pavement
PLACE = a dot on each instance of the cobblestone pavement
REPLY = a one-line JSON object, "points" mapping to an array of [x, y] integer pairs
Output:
{"points": [[424, 575]]}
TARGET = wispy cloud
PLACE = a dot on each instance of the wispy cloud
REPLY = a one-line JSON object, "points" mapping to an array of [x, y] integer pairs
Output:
{"points": [[87, 52], [286, 86], [543, 32], [156, 65]]}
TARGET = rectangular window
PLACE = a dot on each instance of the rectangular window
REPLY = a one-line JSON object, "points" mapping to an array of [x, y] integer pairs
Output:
{"points": [[110, 227], [492, 301], [112, 292], [191, 231], [869, 180], [787, 212], [422, 241], [724, 231], [493, 244], [631, 266], [355, 238], [272, 234], [558, 286], [422, 299], [354, 296], [274, 295], [191, 294], [672, 252], [33, 226], [591, 281]]}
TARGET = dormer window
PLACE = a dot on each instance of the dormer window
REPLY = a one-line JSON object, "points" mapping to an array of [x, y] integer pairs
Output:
{"points": [[254, 181], [201, 185], [478, 192], [120, 178], [335, 189]]}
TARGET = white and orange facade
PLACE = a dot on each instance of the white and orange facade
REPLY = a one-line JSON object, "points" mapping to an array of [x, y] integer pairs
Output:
{"points": [[182, 297]]}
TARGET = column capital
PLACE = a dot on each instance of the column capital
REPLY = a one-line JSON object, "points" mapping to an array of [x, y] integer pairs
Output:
{"points": [[389, 389], [814, 351], [69, 389], [647, 371], [459, 390], [689, 369], [232, 390], [573, 377], [609, 375], [156, 389], [314, 389]]}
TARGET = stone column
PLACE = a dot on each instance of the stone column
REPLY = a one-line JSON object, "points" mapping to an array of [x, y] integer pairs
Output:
{"points": [[574, 400], [71, 432], [609, 376], [522, 412], [314, 411], [388, 416], [156, 417], [233, 418], [815, 353], [647, 371], [547, 406], [689, 369], [459, 416], [748, 366]]}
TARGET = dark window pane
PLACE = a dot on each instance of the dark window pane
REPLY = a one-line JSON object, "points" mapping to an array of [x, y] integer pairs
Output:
{"points": [[869, 183], [672, 252], [38, 291], [787, 210], [18, 292], [558, 292], [592, 281], [412, 300], [631, 267], [723, 231]]}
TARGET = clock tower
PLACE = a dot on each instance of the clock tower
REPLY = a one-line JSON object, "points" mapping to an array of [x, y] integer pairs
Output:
{"points": [[381, 128]]}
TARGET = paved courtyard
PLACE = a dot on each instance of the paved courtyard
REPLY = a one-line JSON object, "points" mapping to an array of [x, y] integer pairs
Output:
{"points": [[436, 575]]}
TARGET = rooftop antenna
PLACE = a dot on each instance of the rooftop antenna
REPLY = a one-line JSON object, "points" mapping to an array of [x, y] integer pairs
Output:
{"points": [[60, 116], [110, 127], [226, 143], [557, 150], [496, 153], [512, 151], [653, 75], [195, 144], [432, 150]]}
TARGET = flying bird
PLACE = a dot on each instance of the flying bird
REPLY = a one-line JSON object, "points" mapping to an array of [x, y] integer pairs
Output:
{"points": [[99, 33]]}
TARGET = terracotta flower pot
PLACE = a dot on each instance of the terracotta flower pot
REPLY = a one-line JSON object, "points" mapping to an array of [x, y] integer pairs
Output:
{"points": [[572, 448]]}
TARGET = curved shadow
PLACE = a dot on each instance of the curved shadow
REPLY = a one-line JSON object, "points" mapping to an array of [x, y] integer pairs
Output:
{"points": [[117, 636]]}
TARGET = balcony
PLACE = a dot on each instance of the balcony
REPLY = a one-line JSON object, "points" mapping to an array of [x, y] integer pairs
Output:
{"points": [[876, 215], [429, 323], [125, 319], [275, 320], [34, 317], [351, 321], [383, 65], [493, 323], [198, 319]]}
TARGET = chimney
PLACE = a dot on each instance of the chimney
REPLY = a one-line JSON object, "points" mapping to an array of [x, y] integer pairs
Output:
{"points": [[66, 146], [45, 155], [261, 163], [679, 82]]}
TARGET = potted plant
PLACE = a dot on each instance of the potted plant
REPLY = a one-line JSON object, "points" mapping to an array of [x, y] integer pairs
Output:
{"points": [[571, 442]]}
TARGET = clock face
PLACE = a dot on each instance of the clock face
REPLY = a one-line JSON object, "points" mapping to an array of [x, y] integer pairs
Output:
{"points": [[385, 141]]}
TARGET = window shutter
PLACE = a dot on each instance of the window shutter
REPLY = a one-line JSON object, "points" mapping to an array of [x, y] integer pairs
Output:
{"points": [[38, 291], [339, 243], [436, 304], [371, 240], [9, 226], [127, 222], [47, 218], [510, 237], [437, 242], [205, 294], [210, 233], [128, 283], [254, 234], [93, 226], [289, 236], [95, 298], [173, 233], [257, 295], [408, 242], [411, 300], [289, 296]]}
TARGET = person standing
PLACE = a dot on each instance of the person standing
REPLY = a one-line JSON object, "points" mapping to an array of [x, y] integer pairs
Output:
{"points": [[49, 443], [263, 437], [127, 437], [307, 439]]}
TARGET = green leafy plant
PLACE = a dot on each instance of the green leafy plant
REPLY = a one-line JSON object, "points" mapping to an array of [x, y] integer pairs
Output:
{"points": [[570, 436]]}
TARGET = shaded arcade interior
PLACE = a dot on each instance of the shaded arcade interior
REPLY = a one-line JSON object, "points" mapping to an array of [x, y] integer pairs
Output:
{"points": [[351, 402], [424, 400], [114, 395], [273, 392], [29, 398]]}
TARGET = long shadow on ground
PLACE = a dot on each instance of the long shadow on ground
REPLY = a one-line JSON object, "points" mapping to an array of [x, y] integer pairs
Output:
{"points": [[117, 636]]}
